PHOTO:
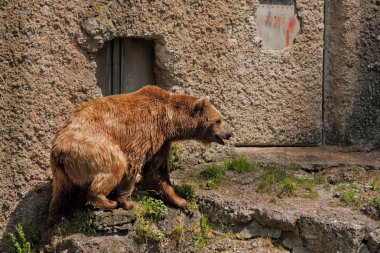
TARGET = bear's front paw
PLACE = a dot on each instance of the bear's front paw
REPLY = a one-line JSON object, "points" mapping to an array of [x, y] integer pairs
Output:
{"points": [[101, 202], [180, 202]]}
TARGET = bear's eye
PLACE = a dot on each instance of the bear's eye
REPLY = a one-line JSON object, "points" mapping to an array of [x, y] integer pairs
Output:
{"points": [[218, 122]]}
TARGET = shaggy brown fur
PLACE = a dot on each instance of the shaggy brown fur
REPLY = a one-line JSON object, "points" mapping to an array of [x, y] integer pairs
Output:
{"points": [[105, 143]]}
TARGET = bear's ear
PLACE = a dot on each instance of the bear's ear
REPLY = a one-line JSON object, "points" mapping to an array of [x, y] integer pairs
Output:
{"points": [[200, 104]]}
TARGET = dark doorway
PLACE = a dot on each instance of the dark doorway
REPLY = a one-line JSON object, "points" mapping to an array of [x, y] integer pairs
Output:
{"points": [[125, 65]]}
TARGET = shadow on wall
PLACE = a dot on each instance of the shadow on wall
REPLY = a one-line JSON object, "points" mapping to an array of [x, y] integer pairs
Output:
{"points": [[353, 97], [364, 122], [32, 213]]}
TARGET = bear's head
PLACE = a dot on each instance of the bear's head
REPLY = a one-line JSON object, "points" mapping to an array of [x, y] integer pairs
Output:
{"points": [[212, 127], [200, 120]]}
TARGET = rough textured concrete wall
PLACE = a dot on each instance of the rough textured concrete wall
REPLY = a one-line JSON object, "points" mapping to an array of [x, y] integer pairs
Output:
{"points": [[352, 71], [47, 67], [43, 75]]}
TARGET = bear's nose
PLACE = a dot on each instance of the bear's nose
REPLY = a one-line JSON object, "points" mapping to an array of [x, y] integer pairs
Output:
{"points": [[229, 134]]}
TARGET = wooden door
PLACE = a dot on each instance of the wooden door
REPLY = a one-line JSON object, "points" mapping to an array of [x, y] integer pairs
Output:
{"points": [[125, 65]]}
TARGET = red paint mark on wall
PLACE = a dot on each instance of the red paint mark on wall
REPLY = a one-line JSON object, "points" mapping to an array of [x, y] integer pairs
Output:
{"points": [[289, 30], [277, 25]]}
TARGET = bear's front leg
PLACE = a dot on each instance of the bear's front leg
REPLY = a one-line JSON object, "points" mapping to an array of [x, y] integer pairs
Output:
{"points": [[156, 177]]}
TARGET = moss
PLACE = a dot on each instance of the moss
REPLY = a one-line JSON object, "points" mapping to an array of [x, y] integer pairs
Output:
{"points": [[240, 165]]}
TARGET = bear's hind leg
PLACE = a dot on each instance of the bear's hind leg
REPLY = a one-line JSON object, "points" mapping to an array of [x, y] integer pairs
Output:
{"points": [[62, 188], [100, 187], [126, 187]]}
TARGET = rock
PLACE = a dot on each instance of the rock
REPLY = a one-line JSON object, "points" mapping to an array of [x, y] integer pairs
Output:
{"points": [[344, 229], [371, 211], [98, 26], [373, 241], [364, 249], [254, 229], [119, 220], [97, 244], [342, 235], [291, 240], [177, 218]]}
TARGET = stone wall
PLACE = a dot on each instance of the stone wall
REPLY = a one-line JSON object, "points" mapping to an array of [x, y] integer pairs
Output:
{"points": [[47, 67]]}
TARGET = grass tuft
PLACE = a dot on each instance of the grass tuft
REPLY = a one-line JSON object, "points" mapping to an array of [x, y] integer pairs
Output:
{"points": [[349, 197], [240, 165], [214, 175], [289, 187]]}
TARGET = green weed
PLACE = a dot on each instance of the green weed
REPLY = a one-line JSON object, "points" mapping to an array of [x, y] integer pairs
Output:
{"points": [[147, 231], [32, 230], [289, 187], [187, 192], [349, 197], [205, 228], [296, 167], [375, 183], [175, 155], [178, 233], [376, 202], [214, 175], [340, 187], [270, 177], [240, 165], [282, 181], [153, 209], [19, 243], [83, 223]]}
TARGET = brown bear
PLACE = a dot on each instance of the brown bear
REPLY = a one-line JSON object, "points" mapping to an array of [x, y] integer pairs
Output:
{"points": [[106, 144]]}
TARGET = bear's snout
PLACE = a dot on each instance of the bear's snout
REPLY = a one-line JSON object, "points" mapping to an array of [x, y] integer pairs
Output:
{"points": [[225, 135], [228, 134]]}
